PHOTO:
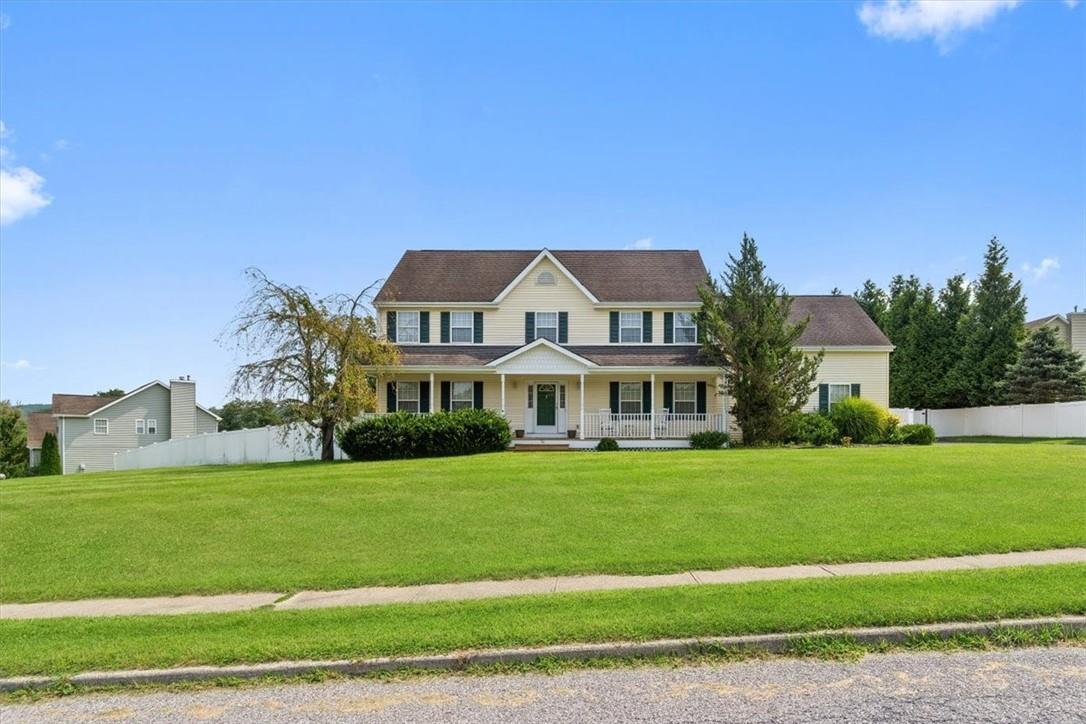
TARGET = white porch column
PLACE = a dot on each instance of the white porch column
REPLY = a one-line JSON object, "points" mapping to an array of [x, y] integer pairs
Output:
{"points": [[580, 426], [503, 396], [431, 392], [652, 406], [723, 402]]}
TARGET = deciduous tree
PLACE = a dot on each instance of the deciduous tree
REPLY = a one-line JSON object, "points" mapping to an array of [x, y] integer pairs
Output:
{"points": [[13, 452]]}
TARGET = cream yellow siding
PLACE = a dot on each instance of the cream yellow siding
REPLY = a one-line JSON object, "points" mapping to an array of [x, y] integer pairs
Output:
{"points": [[871, 370]]}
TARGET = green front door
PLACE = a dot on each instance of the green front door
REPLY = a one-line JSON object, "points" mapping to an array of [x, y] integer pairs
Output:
{"points": [[545, 405]]}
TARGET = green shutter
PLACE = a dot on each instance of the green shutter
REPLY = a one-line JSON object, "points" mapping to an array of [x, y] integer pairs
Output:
{"points": [[669, 396], [669, 327], [702, 398], [823, 398], [614, 398], [477, 331], [390, 397], [477, 392], [563, 328], [446, 395], [390, 326], [646, 397], [646, 327], [855, 391], [614, 328], [529, 327], [424, 396], [445, 334], [424, 327]]}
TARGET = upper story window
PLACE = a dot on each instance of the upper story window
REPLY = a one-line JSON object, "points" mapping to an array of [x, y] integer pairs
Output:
{"points": [[686, 328], [101, 426], [629, 326], [685, 398], [141, 427], [462, 327], [545, 279], [546, 325], [152, 427], [463, 396], [407, 326], [407, 396]]}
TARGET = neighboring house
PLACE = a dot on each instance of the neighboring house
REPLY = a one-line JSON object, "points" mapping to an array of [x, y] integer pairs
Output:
{"points": [[90, 428], [1071, 329], [588, 344]]}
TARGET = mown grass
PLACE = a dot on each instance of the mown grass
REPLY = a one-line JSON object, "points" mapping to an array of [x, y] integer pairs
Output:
{"points": [[507, 515], [62, 646], [1017, 440]]}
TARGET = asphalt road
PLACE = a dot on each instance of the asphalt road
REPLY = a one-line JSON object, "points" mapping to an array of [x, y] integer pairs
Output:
{"points": [[1022, 685]]}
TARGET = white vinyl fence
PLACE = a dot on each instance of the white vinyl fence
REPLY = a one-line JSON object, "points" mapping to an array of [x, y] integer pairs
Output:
{"points": [[282, 444], [1056, 419]]}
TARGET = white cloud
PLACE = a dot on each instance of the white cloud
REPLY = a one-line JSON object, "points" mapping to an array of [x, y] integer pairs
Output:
{"points": [[61, 144], [641, 244], [5, 21], [19, 365], [21, 192], [941, 20], [1047, 266], [1070, 3]]}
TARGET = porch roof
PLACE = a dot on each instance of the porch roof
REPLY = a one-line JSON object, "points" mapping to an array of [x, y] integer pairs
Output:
{"points": [[601, 355]]}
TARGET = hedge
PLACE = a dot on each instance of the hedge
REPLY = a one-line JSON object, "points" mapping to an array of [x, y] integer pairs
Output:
{"points": [[402, 435]]}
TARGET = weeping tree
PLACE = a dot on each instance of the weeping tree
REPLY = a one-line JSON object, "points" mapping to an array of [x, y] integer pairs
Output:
{"points": [[316, 354], [746, 330]]}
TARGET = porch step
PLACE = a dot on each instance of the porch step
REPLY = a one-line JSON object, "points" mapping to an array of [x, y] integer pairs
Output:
{"points": [[540, 445]]}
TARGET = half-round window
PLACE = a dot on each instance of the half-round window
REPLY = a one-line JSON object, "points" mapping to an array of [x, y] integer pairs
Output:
{"points": [[545, 279]]}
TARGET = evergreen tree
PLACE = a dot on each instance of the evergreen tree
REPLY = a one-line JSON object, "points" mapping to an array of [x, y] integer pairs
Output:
{"points": [[911, 323], [50, 455], [13, 452], [874, 301], [993, 331], [953, 309], [744, 321], [1047, 371]]}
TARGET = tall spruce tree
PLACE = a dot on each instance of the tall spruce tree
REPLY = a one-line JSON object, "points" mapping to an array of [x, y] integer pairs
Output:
{"points": [[993, 331], [1047, 371], [953, 310], [874, 301], [744, 321]]}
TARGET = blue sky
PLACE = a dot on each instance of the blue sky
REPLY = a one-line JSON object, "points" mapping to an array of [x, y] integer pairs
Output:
{"points": [[153, 151]]}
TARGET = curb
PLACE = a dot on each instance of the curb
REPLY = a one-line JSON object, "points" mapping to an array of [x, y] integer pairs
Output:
{"points": [[769, 643]]}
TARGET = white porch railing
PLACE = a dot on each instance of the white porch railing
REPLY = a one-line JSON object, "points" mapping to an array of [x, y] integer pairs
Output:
{"points": [[642, 426]]}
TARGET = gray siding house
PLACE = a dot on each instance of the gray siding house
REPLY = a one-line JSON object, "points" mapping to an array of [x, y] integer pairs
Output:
{"points": [[90, 429]]}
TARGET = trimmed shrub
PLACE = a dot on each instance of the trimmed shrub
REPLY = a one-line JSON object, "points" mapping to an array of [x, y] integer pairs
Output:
{"points": [[402, 435], [915, 435], [810, 428], [708, 440], [861, 420], [607, 444], [50, 455]]}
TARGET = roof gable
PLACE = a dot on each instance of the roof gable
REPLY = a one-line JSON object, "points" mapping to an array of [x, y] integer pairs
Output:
{"points": [[542, 355], [836, 321]]}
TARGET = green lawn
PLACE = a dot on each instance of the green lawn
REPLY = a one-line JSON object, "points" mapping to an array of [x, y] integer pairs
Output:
{"points": [[287, 527], [1017, 440], [59, 646]]}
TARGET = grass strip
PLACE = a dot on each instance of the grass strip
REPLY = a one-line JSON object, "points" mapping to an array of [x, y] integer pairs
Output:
{"points": [[64, 646]]}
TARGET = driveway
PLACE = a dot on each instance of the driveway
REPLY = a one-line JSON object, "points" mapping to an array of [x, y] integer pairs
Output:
{"points": [[1022, 685]]}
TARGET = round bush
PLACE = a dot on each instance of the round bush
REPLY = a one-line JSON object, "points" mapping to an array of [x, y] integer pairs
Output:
{"points": [[810, 428], [607, 444], [708, 440], [915, 434], [861, 420], [402, 435]]}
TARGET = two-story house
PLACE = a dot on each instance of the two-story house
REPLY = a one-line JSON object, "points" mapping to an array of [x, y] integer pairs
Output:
{"points": [[581, 345], [91, 428]]}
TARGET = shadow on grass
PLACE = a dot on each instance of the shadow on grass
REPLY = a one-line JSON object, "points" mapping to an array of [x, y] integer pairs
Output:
{"points": [[1018, 440]]}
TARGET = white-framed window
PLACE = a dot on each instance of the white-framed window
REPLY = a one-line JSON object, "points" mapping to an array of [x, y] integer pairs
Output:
{"points": [[545, 279], [838, 393], [141, 427], [629, 326], [561, 397], [407, 396], [152, 427], [407, 326], [684, 398], [686, 328], [629, 398], [101, 426], [463, 396], [461, 327], [546, 325]]}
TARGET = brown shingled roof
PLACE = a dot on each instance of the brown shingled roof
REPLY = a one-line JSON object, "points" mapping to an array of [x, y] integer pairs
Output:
{"points": [[37, 424], [479, 276], [603, 355], [79, 404], [836, 321]]}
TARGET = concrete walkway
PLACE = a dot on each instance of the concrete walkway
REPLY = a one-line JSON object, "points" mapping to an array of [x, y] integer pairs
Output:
{"points": [[376, 595]]}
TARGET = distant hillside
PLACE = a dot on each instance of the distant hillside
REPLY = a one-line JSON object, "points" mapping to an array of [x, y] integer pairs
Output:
{"points": [[27, 409]]}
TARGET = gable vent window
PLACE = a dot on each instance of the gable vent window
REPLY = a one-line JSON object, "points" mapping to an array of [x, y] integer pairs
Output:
{"points": [[545, 279]]}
